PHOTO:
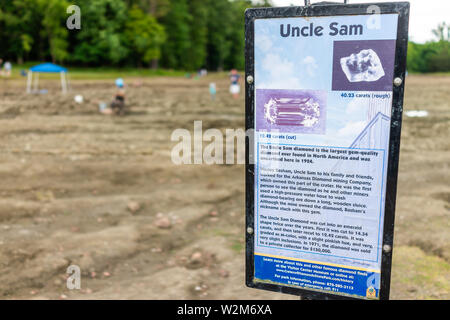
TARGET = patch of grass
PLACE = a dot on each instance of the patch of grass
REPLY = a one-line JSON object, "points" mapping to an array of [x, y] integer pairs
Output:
{"points": [[416, 275], [101, 73], [237, 246], [237, 242], [430, 73], [94, 74]]}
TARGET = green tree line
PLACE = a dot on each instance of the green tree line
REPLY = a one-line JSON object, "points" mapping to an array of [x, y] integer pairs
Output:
{"points": [[174, 34], [433, 56]]}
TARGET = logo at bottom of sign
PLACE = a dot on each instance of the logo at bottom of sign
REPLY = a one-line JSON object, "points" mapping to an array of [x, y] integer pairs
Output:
{"points": [[371, 293]]}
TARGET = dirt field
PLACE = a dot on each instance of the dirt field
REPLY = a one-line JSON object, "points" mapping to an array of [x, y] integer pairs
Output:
{"points": [[101, 192]]}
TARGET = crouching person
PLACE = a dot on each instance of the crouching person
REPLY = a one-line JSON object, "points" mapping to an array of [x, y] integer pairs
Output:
{"points": [[118, 104]]}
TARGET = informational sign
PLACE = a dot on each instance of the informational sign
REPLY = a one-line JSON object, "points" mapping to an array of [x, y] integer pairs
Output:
{"points": [[324, 98]]}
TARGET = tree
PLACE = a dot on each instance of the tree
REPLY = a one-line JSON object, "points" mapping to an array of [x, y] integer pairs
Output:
{"points": [[431, 56], [439, 59], [219, 28], [100, 40], [235, 58], [144, 35], [442, 32], [183, 34], [196, 55], [177, 23], [157, 8], [54, 27], [16, 28]]}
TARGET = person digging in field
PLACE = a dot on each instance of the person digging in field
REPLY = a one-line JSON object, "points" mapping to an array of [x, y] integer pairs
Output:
{"points": [[235, 89], [212, 90], [118, 104], [8, 67]]}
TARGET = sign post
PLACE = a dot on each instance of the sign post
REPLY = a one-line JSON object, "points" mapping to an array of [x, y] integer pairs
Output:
{"points": [[324, 98]]}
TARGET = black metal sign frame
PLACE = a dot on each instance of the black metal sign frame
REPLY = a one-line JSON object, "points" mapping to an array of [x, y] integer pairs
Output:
{"points": [[317, 10]]}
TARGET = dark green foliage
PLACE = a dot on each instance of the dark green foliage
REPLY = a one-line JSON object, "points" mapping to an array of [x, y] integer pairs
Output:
{"points": [[177, 23], [101, 38], [172, 34], [196, 55], [144, 36], [429, 57]]}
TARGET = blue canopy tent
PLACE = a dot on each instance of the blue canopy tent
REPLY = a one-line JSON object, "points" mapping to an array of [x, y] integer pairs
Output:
{"points": [[46, 68]]}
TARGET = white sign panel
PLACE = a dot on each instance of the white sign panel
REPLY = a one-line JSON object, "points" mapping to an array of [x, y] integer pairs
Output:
{"points": [[323, 98]]}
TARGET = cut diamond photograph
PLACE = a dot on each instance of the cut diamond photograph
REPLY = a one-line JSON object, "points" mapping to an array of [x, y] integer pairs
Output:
{"points": [[292, 112]]}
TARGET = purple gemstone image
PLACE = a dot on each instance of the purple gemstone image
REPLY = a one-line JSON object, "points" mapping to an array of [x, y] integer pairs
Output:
{"points": [[363, 65], [303, 112], [294, 111]]}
